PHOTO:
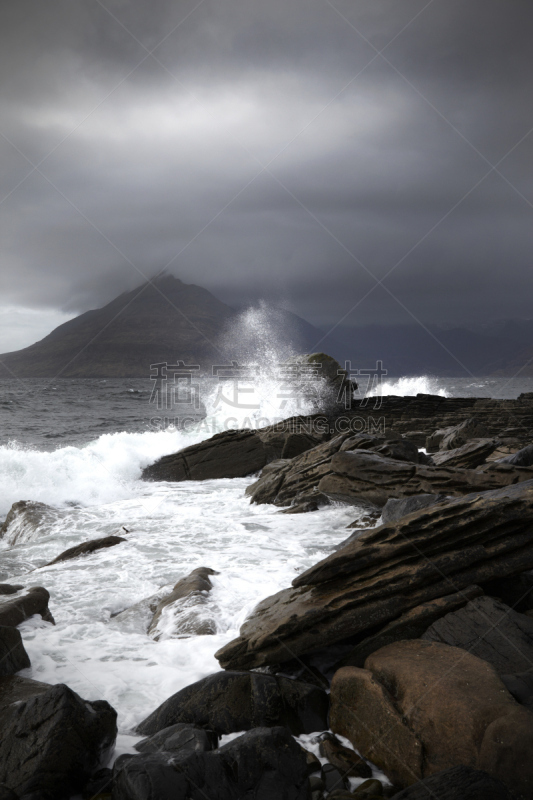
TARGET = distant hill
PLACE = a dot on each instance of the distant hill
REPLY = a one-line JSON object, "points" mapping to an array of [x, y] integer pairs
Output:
{"points": [[163, 320]]}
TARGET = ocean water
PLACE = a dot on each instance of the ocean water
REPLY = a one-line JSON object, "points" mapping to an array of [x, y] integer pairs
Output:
{"points": [[80, 446]]}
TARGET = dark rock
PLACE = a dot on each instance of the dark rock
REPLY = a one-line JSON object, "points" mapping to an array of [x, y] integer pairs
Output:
{"points": [[394, 509], [34, 601], [386, 572], [393, 446], [181, 737], [345, 760], [24, 519], [410, 625], [469, 456], [99, 786], [523, 458], [457, 783], [333, 778], [85, 548], [186, 620], [7, 794], [52, 740], [400, 712], [456, 435], [490, 630], [228, 702], [237, 453], [13, 656], [265, 763], [520, 686], [516, 592], [6, 588], [359, 477]]}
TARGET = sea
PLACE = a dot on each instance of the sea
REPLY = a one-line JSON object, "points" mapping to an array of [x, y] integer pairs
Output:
{"points": [[79, 446]]}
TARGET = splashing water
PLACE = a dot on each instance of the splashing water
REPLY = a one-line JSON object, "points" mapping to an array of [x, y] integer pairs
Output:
{"points": [[422, 384]]}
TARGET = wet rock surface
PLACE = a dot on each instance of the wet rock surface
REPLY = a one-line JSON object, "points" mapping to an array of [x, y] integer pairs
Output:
{"points": [[195, 588], [181, 738], [227, 702], [24, 605], [86, 548], [389, 570], [458, 783], [52, 740], [13, 656], [24, 520]]}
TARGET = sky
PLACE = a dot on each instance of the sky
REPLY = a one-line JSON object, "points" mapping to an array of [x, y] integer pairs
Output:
{"points": [[353, 161]]}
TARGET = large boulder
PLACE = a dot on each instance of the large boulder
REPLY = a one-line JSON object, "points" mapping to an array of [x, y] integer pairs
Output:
{"points": [[13, 656], [386, 572], [52, 740], [421, 707], [86, 548], [180, 612], [265, 763], [237, 453], [227, 702], [366, 478], [24, 521], [179, 738], [25, 604], [469, 456], [457, 783], [488, 629]]}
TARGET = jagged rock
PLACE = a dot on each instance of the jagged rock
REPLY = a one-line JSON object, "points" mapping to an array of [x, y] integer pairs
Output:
{"points": [[85, 548], [263, 763], [394, 509], [13, 656], [359, 477], [176, 618], [24, 519], [400, 712], [523, 458], [7, 588], [180, 738], [457, 783], [34, 601], [490, 630], [456, 435], [237, 453], [411, 625], [52, 740], [388, 570], [469, 456], [227, 702]]}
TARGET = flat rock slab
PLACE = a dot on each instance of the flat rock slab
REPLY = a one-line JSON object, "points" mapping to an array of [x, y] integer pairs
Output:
{"points": [[421, 707], [488, 629], [227, 702], [457, 783], [86, 548], [19, 608], [265, 763], [469, 456], [52, 740], [387, 571], [13, 656]]}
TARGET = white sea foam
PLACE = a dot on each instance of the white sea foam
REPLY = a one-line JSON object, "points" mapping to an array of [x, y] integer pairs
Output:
{"points": [[422, 384]]}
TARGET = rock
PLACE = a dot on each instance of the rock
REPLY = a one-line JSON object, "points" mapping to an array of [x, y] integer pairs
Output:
{"points": [[264, 763], [13, 656], [411, 625], [516, 592], [400, 712], [386, 572], [20, 608], [7, 794], [523, 458], [6, 588], [333, 778], [394, 509], [227, 702], [457, 783], [345, 760], [85, 548], [489, 629], [237, 453], [179, 738], [52, 740], [174, 617], [24, 520], [392, 446], [520, 686], [99, 786], [456, 435], [363, 478], [469, 456]]}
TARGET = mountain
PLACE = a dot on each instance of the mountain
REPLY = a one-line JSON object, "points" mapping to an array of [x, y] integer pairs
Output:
{"points": [[164, 320]]}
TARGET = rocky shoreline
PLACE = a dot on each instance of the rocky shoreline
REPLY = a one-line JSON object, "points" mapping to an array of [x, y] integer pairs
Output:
{"points": [[408, 650]]}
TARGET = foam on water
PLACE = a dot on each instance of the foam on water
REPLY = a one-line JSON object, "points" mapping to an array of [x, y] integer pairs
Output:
{"points": [[422, 384]]}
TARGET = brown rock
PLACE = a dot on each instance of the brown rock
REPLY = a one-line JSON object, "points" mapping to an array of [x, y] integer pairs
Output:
{"points": [[469, 456]]}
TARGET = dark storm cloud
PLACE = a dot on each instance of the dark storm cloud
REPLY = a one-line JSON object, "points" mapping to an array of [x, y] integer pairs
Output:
{"points": [[375, 170]]}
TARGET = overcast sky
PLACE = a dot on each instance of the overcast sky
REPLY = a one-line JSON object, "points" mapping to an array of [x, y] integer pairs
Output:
{"points": [[298, 151]]}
